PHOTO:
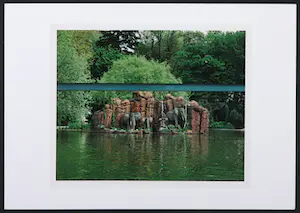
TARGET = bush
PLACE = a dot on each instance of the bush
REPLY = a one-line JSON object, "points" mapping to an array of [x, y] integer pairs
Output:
{"points": [[221, 125], [236, 119]]}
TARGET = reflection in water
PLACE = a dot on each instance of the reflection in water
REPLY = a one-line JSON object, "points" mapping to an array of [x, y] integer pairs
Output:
{"points": [[217, 156], [204, 145], [108, 142], [195, 143]]}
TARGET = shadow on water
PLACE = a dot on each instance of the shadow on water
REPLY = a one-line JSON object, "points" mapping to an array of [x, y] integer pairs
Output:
{"points": [[98, 156]]}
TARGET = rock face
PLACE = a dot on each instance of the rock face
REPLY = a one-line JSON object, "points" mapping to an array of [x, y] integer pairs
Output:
{"points": [[156, 116], [143, 111], [200, 118], [108, 115], [196, 117], [146, 112], [117, 111], [204, 121], [98, 119], [124, 114]]}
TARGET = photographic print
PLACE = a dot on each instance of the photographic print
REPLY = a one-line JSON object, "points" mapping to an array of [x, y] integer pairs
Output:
{"points": [[157, 132]]}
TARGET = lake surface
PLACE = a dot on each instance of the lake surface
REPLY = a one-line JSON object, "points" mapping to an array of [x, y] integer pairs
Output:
{"points": [[99, 156]]}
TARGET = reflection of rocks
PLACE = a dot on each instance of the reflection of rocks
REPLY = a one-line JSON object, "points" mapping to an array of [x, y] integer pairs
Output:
{"points": [[195, 143], [204, 145], [108, 143], [131, 141], [199, 145]]}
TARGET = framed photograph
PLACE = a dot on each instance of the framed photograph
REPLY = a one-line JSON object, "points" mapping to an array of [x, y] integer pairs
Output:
{"points": [[173, 106], [140, 135]]}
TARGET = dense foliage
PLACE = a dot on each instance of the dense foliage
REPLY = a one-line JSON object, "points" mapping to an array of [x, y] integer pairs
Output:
{"points": [[72, 66], [109, 47], [103, 60], [218, 59], [150, 57]]}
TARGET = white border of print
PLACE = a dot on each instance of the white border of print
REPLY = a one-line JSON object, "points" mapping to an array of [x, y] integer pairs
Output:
{"points": [[30, 79]]}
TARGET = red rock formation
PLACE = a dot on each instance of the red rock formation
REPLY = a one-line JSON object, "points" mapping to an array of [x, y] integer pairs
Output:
{"points": [[179, 103], [96, 119], [156, 115], [118, 111], [137, 110], [102, 118], [126, 106], [143, 110], [136, 106], [148, 95], [108, 115], [195, 117], [169, 96], [150, 107], [140, 94], [116, 101], [204, 121], [170, 104]]}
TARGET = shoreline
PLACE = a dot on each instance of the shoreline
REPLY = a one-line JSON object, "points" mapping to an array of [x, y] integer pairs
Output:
{"points": [[66, 128]]}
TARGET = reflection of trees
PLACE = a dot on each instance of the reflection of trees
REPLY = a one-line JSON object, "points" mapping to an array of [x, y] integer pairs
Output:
{"points": [[83, 155], [108, 142], [133, 159], [148, 145], [185, 150], [161, 153], [131, 139], [148, 140], [240, 153], [62, 135], [145, 159]]}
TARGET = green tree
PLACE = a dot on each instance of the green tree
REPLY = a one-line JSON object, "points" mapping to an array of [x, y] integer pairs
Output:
{"points": [[192, 37], [71, 68], [230, 48], [159, 45], [83, 42], [103, 60], [218, 58], [124, 41]]}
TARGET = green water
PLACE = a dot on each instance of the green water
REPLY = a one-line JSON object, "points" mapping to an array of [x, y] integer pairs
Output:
{"points": [[96, 156]]}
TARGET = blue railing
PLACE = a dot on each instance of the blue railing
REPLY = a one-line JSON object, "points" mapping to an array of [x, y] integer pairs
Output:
{"points": [[151, 87]]}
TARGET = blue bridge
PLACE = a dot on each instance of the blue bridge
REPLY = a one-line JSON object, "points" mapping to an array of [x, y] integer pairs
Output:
{"points": [[151, 87]]}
